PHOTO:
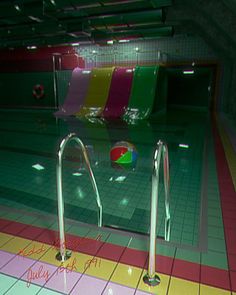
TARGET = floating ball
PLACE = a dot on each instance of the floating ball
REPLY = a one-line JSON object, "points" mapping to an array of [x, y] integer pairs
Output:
{"points": [[123, 153]]}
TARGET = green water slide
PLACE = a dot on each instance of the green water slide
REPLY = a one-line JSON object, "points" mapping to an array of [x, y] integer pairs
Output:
{"points": [[143, 93]]}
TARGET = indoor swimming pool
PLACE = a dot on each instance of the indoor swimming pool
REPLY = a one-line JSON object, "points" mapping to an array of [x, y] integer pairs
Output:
{"points": [[30, 142], [113, 258]]}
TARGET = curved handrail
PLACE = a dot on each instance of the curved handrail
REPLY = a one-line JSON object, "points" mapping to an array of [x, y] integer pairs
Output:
{"points": [[151, 278], [63, 255]]}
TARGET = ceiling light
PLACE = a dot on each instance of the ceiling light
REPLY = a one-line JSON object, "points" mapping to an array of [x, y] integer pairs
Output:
{"points": [[86, 72], [123, 41], [75, 44], [136, 48], [31, 47], [94, 51], [188, 72]]}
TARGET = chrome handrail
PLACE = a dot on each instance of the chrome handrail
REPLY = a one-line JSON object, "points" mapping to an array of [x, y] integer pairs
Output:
{"points": [[63, 254], [151, 278]]}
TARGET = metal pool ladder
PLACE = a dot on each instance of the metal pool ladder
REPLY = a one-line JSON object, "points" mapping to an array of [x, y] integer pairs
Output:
{"points": [[65, 254], [151, 278]]}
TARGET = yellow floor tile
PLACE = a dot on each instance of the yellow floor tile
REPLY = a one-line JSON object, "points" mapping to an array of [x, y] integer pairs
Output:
{"points": [[15, 245], [81, 261], [207, 290], [183, 287], [50, 257], [78, 259], [35, 250], [4, 238], [126, 275], [100, 268], [161, 289]]}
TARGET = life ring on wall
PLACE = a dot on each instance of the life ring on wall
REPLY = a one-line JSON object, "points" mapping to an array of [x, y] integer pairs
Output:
{"points": [[38, 91]]}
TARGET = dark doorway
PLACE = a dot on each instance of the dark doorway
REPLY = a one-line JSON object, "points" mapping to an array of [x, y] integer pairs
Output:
{"points": [[189, 88]]}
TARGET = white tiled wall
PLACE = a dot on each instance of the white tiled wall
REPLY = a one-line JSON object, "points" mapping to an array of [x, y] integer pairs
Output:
{"points": [[180, 48]]}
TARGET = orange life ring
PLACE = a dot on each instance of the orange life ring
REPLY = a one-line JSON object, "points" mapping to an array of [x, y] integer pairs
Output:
{"points": [[38, 91]]}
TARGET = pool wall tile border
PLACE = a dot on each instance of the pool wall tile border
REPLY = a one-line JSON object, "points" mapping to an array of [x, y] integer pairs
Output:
{"points": [[228, 196]]}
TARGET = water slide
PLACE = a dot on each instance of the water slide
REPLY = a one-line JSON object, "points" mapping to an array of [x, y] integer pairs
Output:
{"points": [[119, 93], [143, 93], [98, 92], [77, 92]]}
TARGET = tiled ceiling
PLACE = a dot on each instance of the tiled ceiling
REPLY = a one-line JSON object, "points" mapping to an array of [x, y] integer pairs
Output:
{"points": [[50, 22]]}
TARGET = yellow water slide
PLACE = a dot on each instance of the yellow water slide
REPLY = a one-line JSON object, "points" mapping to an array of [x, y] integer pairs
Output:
{"points": [[98, 92]]}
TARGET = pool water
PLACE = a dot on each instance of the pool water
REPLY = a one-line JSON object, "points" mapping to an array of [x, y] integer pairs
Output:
{"points": [[30, 138]]}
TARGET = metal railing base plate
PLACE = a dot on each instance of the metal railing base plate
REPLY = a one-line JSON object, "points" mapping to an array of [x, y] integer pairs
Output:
{"points": [[154, 281], [66, 257]]}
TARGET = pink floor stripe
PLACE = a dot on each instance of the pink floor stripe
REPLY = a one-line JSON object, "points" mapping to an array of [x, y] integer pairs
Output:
{"points": [[17, 266], [113, 288], [63, 281], [39, 274], [88, 285], [5, 257]]}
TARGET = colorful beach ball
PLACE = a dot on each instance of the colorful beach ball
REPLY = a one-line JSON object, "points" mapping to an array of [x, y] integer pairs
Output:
{"points": [[123, 153]]}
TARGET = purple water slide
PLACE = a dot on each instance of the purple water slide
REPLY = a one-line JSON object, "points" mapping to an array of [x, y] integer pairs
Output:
{"points": [[77, 92], [119, 92]]}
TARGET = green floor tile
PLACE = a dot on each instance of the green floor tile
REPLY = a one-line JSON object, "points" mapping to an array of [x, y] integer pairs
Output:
{"points": [[55, 226], [120, 240], [216, 245], [215, 259], [6, 282], [139, 244], [13, 216], [188, 255], [21, 288], [215, 221], [216, 232], [44, 223], [78, 230], [45, 291], [165, 250], [98, 234], [27, 219]]}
